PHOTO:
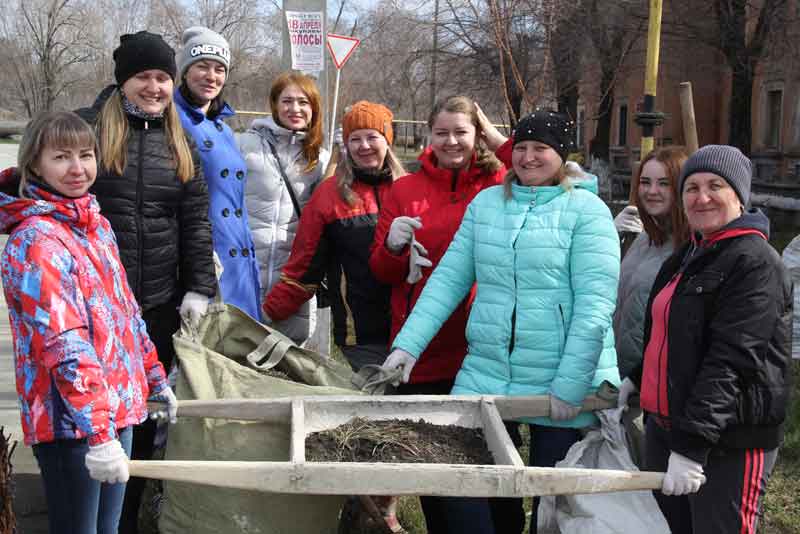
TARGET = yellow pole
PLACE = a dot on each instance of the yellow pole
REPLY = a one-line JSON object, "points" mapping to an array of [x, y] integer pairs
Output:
{"points": [[651, 74]]}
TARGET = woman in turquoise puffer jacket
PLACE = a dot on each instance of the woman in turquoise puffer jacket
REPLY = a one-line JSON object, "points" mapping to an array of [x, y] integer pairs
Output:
{"points": [[545, 255]]}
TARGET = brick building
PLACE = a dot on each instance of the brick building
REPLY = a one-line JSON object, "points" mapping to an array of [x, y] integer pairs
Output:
{"points": [[775, 116]]}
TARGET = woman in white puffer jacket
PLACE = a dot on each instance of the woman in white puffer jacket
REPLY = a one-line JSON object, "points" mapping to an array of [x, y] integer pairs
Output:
{"points": [[289, 142]]}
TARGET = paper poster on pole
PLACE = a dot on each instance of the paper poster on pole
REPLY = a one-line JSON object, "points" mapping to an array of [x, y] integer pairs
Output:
{"points": [[306, 40]]}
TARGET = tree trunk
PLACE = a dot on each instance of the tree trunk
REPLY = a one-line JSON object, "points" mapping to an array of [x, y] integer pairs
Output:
{"points": [[599, 145], [740, 132]]}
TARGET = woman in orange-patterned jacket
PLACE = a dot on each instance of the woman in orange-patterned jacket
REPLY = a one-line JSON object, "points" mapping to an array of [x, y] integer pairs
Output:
{"points": [[417, 222], [334, 239]]}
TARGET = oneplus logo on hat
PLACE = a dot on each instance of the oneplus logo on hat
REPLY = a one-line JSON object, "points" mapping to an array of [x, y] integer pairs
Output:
{"points": [[211, 50]]}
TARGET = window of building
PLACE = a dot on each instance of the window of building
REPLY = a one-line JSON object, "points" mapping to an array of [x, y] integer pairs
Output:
{"points": [[772, 126], [623, 125]]}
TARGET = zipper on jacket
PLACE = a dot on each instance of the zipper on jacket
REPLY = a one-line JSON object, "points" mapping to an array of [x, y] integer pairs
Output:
{"points": [[454, 181], [139, 202], [563, 323], [377, 196]]}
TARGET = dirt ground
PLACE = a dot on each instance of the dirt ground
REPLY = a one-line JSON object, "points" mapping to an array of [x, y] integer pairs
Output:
{"points": [[399, 441]]}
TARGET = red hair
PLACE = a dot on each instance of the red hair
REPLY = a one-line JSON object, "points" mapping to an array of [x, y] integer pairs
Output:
{"points": [[312, 144]]}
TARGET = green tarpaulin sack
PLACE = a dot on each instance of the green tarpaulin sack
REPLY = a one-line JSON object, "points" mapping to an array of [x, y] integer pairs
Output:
{"points": [[232, 356]]}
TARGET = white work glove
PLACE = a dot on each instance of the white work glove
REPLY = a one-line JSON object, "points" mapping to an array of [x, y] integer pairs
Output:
{"points": [[402, 359], [628, 221], [626, 389], [562, 411], [416, 261], [193, 307], [107, 462], [170, 411], [683, 476], [401, 232]]}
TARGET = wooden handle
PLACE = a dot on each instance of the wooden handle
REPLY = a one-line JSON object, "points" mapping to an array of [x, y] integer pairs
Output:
{"points": [[397, 479], [279, 410], [687, 115]]}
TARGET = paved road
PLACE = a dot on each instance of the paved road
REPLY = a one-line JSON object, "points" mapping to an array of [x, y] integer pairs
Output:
{"points": [[29, 502]]}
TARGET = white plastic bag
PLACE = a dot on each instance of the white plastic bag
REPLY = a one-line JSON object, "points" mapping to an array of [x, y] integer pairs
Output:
{"points": [[791, 259], [627, 512]]}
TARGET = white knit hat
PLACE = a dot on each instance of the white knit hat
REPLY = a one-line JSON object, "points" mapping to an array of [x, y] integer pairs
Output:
{"points": [[200, 43]]}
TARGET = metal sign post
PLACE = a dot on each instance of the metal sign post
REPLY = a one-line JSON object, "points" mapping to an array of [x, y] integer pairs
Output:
{"points": [[341, 48]]}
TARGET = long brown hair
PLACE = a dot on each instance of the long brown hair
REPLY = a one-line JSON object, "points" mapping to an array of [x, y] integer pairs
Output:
{"points": [[672, 158], [345, 174], [55, 129], [485, 158], [112, 129], [312, 144]]}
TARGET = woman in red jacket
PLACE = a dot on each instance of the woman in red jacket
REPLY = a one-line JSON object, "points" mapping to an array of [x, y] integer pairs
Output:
{"points": [[417, 221], [334, 238]]}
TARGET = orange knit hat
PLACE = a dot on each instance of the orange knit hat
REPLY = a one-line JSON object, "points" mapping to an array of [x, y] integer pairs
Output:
{"points": [[365, 114]]}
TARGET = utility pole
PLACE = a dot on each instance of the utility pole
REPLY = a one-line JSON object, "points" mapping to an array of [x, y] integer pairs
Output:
{"points": [[648, 118], [286, 58]]}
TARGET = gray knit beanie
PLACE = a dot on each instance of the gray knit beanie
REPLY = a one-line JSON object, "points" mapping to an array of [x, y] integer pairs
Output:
{"points": [[725, 161], [200, 43]]}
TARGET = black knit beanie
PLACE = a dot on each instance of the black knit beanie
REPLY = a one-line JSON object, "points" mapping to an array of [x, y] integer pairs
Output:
{"points": [[142, 51], [549, 127], [725, 161]]}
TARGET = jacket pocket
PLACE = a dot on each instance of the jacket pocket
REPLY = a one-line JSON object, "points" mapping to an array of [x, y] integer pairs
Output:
{"points": [[703, 283], [561, 325], [761, 405]]}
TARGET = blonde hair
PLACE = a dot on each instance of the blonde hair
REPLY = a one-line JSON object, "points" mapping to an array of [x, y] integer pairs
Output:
{"points": [[312, 144], [485, 158], [56, 129], [345, 175], [112, 131], [563, 177]]}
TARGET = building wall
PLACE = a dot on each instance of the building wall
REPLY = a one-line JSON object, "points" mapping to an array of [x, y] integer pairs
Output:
{"points": [[684, 60]]}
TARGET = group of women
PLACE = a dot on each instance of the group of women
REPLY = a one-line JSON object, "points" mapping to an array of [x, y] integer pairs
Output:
{"points": [[493, 269]]}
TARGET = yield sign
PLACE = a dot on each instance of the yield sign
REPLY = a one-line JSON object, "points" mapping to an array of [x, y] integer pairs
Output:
{"points": [[340, 47]]}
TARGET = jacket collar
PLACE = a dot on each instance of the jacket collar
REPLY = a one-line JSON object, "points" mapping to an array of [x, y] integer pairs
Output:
{"points": [[195, 113], [546, 193], [82, 212], [428, 166], [275, 133]]}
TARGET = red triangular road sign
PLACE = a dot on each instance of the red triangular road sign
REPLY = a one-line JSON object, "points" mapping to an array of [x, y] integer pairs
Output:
{"points": [[340, 47]]}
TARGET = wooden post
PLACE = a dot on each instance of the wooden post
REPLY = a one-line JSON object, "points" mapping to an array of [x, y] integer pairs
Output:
{"points": [[687, 116]]}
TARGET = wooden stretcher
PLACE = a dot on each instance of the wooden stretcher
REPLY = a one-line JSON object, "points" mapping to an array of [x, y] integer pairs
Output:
{"points": [[509, 477]]}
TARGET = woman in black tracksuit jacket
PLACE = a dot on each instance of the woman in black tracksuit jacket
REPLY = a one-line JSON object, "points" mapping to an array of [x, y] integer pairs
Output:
{"points": [[714, 382], [151, 189]]}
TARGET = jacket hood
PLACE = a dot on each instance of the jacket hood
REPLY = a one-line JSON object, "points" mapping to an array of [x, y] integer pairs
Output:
{"points": [[90, 114], [749, 222], [82, 212], [275, 133], [195, 113]]}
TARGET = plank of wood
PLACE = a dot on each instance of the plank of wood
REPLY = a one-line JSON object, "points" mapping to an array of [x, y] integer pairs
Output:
{"points": [[279, 410], [297, 447], [397, 479], [497, 438]]}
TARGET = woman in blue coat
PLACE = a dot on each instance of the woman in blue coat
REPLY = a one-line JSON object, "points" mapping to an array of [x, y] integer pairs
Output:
{"points": [[545, 255], [203, 62]]}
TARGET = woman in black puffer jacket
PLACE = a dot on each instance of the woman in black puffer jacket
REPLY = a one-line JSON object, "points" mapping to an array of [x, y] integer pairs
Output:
{"points": [[150, 187]]}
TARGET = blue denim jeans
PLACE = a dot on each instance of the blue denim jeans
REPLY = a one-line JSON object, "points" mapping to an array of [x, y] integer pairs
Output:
{"points": [[76, 504]]}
